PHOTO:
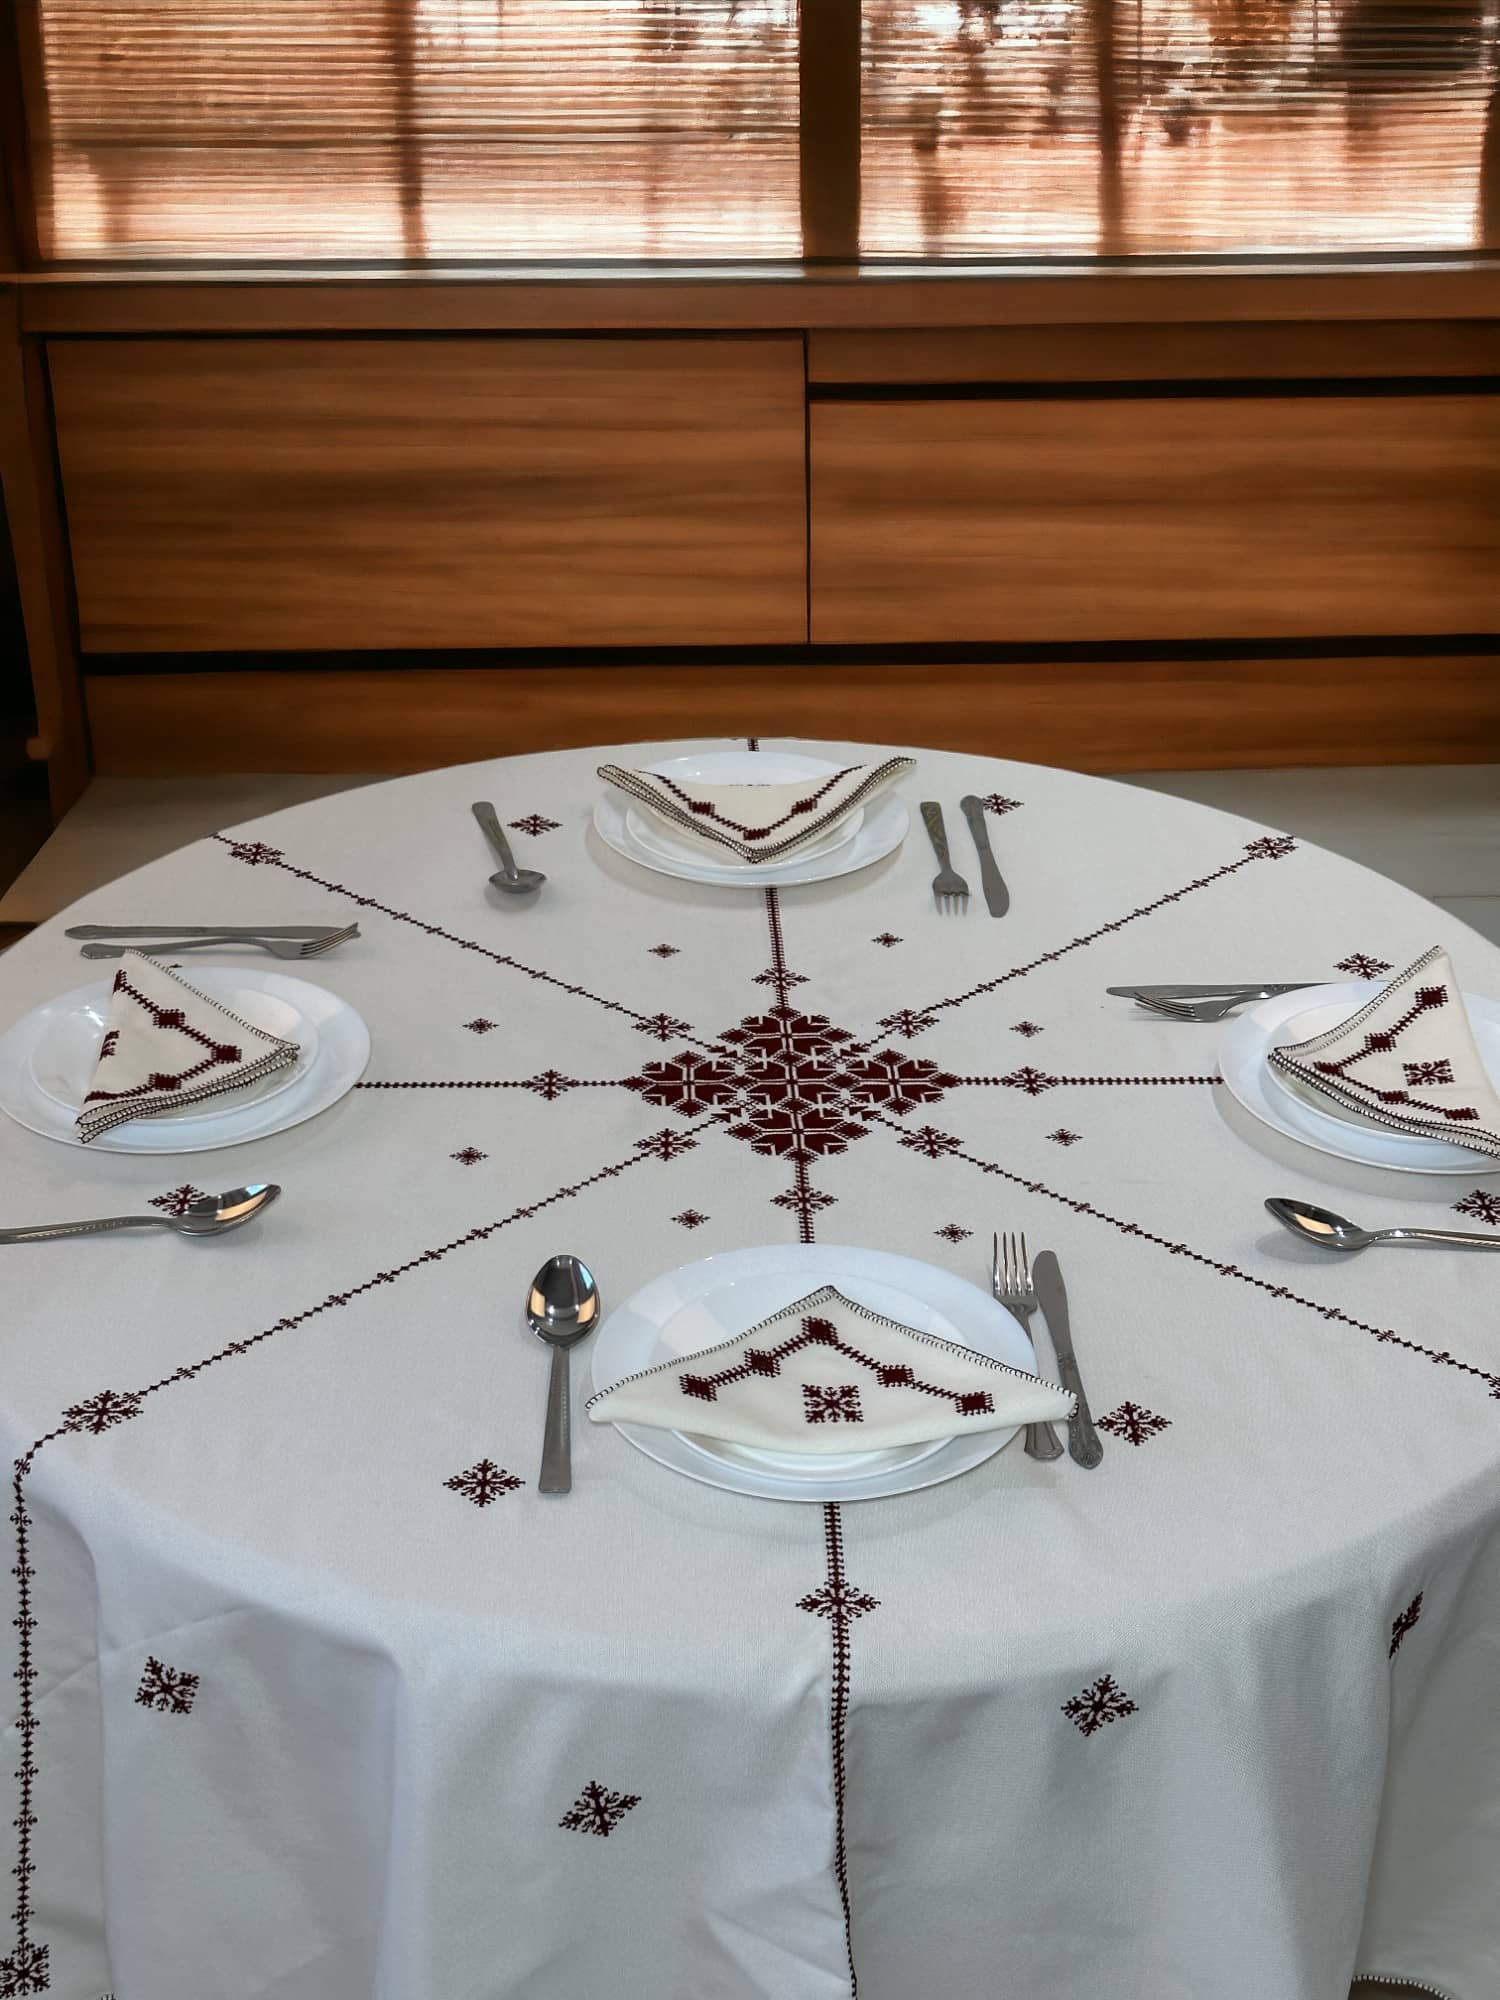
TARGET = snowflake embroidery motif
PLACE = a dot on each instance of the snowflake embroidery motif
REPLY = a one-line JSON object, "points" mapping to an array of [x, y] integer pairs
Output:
{"points": [[1438, 1071], [1134, 1424], [808, 1201], [1103, 1702], [838, 1602], [1359, 965], [663, 1026], [666, 1145], [1032, 1081], [534, 823], [1482, 1204], [887, 938], [25, 1972], [468, 1156], [1271, 847], [1404, 1624], [1026, 1028], [104, 1411], [481, 1024], [951, 1232], [178, 1200], [1000, 805], [663, 950], [254, 852], [783, 980], [929, 1141], [167, 1689], [690, 1219], [908, 1021], [836, 1405], [596, 1810], [483, 1482], [1063, 1137], [550, 1084]]}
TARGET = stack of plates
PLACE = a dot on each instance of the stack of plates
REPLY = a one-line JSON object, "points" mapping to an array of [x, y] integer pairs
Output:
{"points": [[47, 1063], [867, 834], [702, 1304]]}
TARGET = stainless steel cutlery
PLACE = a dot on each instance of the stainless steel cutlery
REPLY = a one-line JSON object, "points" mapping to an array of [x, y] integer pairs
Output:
{"points": [[209, 1215], [1336, 1232], [996, 895], [1011, 1284], [1084, 1444], [206, 930], [949, 889], [562, 1307], [509, 880], [278, 947]]}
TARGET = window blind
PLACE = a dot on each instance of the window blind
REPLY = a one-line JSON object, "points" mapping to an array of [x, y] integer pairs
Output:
{"points": [[572, 130]]}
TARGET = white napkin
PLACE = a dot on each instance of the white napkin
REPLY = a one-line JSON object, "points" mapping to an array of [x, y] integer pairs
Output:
{"points": [[166, 1044], [756, 822], [827, 1375], [1407, 1060]]}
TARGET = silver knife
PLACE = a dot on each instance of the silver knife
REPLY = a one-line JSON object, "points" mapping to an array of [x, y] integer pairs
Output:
{"points": [[995, 892], [1084, 1445], [1221, 991], [201, 930]]}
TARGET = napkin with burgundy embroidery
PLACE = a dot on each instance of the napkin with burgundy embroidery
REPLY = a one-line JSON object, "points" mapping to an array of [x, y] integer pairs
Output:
{"points": [[1407, 1059], [756, 822], [166, 1045], [827, 1375]]}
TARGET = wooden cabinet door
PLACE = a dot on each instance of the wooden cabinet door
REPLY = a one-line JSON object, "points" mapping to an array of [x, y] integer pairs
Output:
{"points": [[317, 494], [1155, 518]]}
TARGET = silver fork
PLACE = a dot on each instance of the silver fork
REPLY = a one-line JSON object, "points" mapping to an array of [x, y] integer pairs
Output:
{"points": [[1012, 1286], [1198, 1010], [949, 889], [278, 947]]}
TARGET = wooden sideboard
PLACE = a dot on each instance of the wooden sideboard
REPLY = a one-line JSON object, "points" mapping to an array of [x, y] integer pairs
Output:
{"points": [[1128, 538]]}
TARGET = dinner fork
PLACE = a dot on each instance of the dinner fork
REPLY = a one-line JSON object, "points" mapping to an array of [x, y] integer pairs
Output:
{"points": [[278, 947], [1012, 1286], [1197, 1010], [949, 889]]}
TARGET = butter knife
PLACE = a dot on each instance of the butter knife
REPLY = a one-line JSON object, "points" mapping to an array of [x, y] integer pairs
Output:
{"points": [[202, 930], [1084, 1445], [996, 895]]}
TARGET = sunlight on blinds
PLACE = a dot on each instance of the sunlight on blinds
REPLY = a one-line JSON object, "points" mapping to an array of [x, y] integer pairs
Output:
{"points": [[418, 128], [1050, 127]]}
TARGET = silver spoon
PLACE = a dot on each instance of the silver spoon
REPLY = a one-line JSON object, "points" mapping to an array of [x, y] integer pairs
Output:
{"points": [[511, 880], [562, 1307], [1336, 1232], [210, 1215]]}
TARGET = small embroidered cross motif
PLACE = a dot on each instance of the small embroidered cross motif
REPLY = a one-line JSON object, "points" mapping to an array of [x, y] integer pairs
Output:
{"points": [[908, 1021], [663, 1026], [468, 1156], [1134, 1424], [838, 1602], [929, 1140], [550, 1084], [1103, 1702], [837, 1405], [255, 852], [663, 950], [1032, 1081], [178, 1200], [25, 1972], [481, 1024], [533, 823], [597, 1810], [484, 1482], [1359, 965], [999, 804], [1026, 1028], [167, 1689], [951, 1232], [1272, 847], [690, 1219], [666, 1144], [1063, 1137], [1483, 1205], [104, 1411], [1404, 1624], [887, 938], [1439, 1071]]}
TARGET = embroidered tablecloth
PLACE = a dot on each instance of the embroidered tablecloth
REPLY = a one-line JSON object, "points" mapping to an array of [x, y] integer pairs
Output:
{"points": [[312, 1694]]}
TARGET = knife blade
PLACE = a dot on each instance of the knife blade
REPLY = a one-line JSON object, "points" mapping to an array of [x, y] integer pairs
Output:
{"points": [[1221, 991], [200, 930], [996, 895], [1084, 1445]]}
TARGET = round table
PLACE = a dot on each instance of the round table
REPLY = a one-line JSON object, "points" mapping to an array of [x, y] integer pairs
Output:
{"points": [[319, 1698]]}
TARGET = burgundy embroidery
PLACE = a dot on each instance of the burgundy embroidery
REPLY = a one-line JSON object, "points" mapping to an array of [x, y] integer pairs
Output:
{"points": [[837, 1601], [665, 1145], [1404, 1624], [1359, 965], [663, 950], [468, 1156], [533, 823], [596, 1810], [1440, 1071], [484, 1482], [253, 852], [178, 1200], [930, 1141], [25, 1972], [1380, 1041], [1063, 1137], [705, 809], [110, 1043], [887, 938], [1134, 1424], [691, 1219], [663, 1026], [481, 1025], [214, 1055], [550, 1084], [1481, 1204], [837, 1404], [819, 1332], [907, 1021], [998, 804], [167, 1689], [1032, 1081], [103, 1412], [1026, 1028], [952, 1232], [1103, 1702]]}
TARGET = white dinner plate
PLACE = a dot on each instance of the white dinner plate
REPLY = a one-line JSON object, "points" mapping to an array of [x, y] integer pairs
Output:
{"points": [[1294, 1017], [653, 838], [334, 1038], [736, 767], [881, 831], [700, 1304]]}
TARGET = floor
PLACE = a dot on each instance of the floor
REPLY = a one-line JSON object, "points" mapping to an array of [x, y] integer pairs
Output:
{"points": [[1437, 830]]}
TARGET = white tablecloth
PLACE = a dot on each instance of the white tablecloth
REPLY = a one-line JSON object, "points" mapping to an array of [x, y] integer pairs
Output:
{"points": [[318, 1699]]}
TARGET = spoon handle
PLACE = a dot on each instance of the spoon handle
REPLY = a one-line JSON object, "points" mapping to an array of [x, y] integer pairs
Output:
{"points": [[1462, 1239], [557, 1450], [485, 813], [42, 1232]]}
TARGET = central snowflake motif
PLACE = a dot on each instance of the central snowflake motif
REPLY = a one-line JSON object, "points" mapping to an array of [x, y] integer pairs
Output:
{"points": [[484, 1483], [1104, 1702], [792, 1084], [178, 1200], [597, 1810], [167, 1689], [1360, 965], [838, 1601], [25, 1972]]}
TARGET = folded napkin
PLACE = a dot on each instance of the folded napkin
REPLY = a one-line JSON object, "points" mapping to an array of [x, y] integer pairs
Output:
{"points": [[756, 822], [166, 1044], [1407, 1060], [827, 1375]]}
